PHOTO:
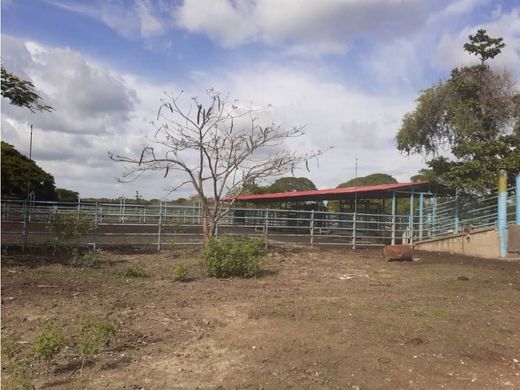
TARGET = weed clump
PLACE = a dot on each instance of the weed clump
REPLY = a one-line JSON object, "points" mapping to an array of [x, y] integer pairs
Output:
{"points": [[88, 259], [226, 257], [134, 272], [179, 272], [92, 335], [48, 342]]}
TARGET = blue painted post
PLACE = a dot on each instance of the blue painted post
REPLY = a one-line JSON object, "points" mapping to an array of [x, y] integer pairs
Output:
{"points": [[421, 216], [393, 217], [410, 220], [518, 199], [502, 212], [456, 220]]}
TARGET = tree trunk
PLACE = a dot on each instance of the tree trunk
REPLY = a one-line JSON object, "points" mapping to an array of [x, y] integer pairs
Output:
{"points": [[208, 226]]}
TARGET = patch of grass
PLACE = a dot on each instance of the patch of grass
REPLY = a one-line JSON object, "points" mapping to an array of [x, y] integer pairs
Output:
{"points": [[48, 342], [88, 259], [134, 272], [179, 272]]}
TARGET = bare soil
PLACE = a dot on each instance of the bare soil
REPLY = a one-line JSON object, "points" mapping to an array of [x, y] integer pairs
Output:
{"points": [[314, 319]]}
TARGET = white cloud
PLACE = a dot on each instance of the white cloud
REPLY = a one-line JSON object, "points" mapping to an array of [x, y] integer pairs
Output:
{"points": [[100, 110], [325, 26], [127, 19]]}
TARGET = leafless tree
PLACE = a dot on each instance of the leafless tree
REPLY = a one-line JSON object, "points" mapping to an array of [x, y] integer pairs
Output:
{"points": [[218, 147]]}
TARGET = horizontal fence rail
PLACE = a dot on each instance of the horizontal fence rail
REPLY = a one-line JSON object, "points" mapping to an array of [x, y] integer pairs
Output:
{"points": [[166, 225]]}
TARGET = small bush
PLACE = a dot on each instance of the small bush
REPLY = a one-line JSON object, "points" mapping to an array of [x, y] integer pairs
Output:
{"points": [[225, 257], [88, 259], [66, 228], [179, 272], [48, 342], [134, 272], [93, 335]]}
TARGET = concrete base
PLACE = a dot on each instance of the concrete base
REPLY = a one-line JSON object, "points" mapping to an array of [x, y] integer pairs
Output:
{"points": [[479, 242]]}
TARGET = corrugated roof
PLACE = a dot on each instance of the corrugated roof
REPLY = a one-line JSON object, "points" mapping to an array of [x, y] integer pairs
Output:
{"points": [[369, 191]]}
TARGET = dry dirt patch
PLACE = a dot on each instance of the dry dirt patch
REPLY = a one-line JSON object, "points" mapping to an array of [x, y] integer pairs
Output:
{"points": [[330, 319]]}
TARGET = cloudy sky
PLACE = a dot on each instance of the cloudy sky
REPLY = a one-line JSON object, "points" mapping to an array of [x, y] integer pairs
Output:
{"points": [[346, 69]]}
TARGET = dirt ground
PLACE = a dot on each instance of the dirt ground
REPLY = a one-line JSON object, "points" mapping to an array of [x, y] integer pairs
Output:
{"points": [[314, 319]]}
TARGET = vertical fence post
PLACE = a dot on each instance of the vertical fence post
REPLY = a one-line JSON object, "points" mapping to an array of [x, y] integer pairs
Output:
{"points": [[410, 220], [95, 227], [517, 211], [421, 215], [312, 228], [354, 230], [266, 227], [25, 228], [456, 220], [502, 212], [159, 229], [394, 204]]}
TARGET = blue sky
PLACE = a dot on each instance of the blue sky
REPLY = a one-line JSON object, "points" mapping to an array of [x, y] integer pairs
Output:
{"points": [[348, 70]]}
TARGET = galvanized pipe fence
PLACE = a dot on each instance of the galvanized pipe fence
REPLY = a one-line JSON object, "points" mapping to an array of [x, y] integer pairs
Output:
{"points": [[164, 225]]}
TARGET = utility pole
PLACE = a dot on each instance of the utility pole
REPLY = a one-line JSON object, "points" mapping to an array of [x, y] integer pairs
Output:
{"points": [[355, 174], [29, 167]]}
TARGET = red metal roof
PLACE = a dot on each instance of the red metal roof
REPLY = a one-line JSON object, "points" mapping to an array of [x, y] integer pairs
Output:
{"points": [[370, 191]]}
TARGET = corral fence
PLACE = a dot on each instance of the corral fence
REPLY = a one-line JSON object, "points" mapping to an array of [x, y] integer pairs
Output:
{"points": [[166, 225]]}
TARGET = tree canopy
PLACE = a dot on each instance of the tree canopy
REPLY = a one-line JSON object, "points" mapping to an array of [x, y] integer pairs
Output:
{"points": [[290, 184], [469, 125], [65, 195], [21, 92], [373, 179], [16, 170]]}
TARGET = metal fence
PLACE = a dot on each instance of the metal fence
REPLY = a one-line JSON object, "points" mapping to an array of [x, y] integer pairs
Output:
{"points": [[165, 225], [463, 214]]}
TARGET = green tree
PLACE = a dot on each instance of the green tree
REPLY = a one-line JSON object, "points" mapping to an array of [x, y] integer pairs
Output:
{"points": [[65, 195], [484, 46], [290, 184], [21, 92], [369, 180], [424, 174], [475, 116], [16, 170]]}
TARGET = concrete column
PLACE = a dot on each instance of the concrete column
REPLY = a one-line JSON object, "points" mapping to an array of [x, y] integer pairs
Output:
{"points": [[502, 212], [517, 207]]}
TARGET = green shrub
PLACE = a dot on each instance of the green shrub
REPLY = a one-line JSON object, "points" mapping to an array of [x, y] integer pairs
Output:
{"points": [[179, 272], [66, 228], [134, 272], [93, 335], [225, 257], [48, 342], [88, 259]]}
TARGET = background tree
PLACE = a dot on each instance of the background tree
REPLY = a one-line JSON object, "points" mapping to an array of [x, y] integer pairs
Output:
{"points": [[21, 92], [216, 147], [369, 180], [15, 176], [290, 184], [468, 125], [424, 174], [65, 195]]}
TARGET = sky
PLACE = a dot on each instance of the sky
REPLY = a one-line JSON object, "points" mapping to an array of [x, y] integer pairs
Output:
{"points": [[347, 70]]}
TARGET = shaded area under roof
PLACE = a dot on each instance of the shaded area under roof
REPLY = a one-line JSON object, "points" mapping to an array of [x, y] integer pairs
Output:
{"points": [[380, 191]]}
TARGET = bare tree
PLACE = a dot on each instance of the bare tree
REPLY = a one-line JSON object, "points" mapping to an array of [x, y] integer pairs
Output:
{"points": [[219, 148]]}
